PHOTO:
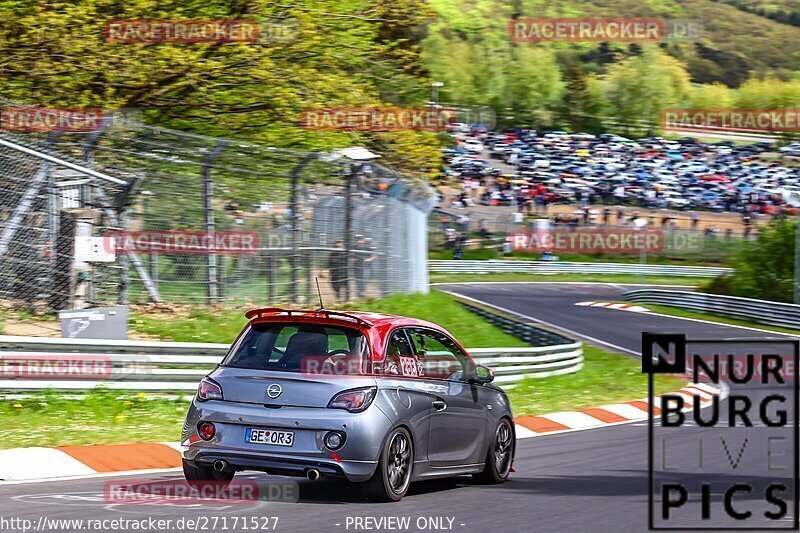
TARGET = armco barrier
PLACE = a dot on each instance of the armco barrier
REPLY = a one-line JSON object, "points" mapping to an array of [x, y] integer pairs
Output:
{"points": [[530, 334], [177, 366], [497, 266], [763, 311]]}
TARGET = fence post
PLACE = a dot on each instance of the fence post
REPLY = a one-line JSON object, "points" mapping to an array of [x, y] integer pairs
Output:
{"points": [[387, 247], [153, 267], [348, 226], [308, 262], [212, 288], [124, 264], [293, 204], [63, 291], [294, 175], [270, 279]]}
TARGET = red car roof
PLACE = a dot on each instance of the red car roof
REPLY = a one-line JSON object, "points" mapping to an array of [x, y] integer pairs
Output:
{"points": [[376, 326]]}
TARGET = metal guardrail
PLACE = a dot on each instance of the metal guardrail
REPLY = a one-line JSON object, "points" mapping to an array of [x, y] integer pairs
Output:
{"points": [[495, 266], [534, 336], [762, 311], [177, 366]]}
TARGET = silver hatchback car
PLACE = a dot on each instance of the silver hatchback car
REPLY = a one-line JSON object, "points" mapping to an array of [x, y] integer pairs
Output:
{"points": [[375, 399]]}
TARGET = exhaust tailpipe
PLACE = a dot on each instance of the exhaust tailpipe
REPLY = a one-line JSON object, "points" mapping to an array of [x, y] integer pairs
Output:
{"points": [[220, 466], [312, 474]]}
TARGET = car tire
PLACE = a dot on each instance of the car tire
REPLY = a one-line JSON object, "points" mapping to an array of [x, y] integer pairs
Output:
{"points": [[199, 476], [392, 476], [500, 455]]}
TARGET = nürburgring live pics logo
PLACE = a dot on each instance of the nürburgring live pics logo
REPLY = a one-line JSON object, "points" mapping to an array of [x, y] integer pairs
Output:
{"points": [[723, 463]]}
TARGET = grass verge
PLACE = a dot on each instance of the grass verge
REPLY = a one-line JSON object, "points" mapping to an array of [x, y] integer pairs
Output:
{"points": [[684, 313], [603, 278], [605, 378], [222, 325], [99, 416]]}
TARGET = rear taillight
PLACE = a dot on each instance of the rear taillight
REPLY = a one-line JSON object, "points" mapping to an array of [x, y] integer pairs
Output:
{"points": [[209, 390], [206, 430], [354, 400]]}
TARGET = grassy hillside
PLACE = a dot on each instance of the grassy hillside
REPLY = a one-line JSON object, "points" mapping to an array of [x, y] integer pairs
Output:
{"points": [[735, 45], [785, 11]]}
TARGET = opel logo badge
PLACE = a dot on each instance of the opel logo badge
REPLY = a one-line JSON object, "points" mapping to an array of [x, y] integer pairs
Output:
{"points": [[274, 390]]}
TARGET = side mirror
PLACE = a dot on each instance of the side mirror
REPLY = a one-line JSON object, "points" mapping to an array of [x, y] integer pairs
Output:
{"points": [[483, 375]]}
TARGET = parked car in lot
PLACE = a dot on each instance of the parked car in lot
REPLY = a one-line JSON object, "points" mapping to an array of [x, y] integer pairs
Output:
{"points": [[459, 127], [473, 145], [790, 149], [499, 150], [687, 174], [374, 399]]}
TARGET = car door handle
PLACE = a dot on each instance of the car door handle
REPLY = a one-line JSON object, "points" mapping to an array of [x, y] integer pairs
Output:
{"points": [[439, 405]]}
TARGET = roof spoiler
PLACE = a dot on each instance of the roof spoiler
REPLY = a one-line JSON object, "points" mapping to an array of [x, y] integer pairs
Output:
{"points": [[277, 311]]}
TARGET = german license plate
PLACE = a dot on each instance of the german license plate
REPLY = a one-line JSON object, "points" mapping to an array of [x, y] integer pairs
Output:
{"points": [[273, 437]]}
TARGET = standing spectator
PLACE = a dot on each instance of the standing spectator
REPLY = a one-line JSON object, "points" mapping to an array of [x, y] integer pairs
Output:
{"points": [[337, 269], [606, 217], [449, 238], [362, 263], [747, 220], [619, 194], [458, 252], [584, 198], [695, 221], [519, 200], [541, 200], [546, 198], [463, 223], [443, 221]]}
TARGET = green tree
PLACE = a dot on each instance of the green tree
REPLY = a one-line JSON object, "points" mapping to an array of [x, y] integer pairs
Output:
{"points": [[582, 106], [764, 268], [768, 93], [534, 88], [639, 88], [712, 96], [336, 53]]}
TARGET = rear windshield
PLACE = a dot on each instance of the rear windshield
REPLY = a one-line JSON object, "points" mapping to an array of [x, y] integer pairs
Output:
{"points": [[307, 348]]}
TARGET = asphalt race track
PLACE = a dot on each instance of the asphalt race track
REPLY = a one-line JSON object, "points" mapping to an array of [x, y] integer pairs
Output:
{"points": [[554, 303], [593, 480]]}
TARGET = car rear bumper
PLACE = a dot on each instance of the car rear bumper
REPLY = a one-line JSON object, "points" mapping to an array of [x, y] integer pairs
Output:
{"points": [[355, 460], [285, 465]]}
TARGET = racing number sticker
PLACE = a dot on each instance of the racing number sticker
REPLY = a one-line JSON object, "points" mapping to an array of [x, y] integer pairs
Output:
{"points": [[408, 366]]}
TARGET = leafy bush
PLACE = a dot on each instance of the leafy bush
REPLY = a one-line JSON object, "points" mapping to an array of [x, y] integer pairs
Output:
{"points": [[720, 285], [764, 268]]}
